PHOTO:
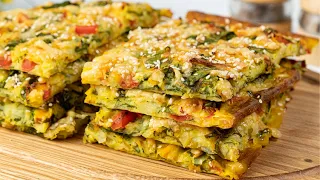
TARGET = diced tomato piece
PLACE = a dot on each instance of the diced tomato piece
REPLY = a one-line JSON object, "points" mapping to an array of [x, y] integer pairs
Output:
{"points": [[22, 17], [139, 115], [65, 14], [5, 62], [46, 94], [128, 83], [181, 118], [132, 23], [211, 112], [28, 65], [308, 51], [81, 30], [122, 118], [282, 39]]}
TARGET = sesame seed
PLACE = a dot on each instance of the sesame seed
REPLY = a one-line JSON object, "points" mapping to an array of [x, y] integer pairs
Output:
{"points": [[110, 120], [260, 101], [262, 27], [41, 80], [232, 76], [227, 21], [170, 101], [50, 104]]}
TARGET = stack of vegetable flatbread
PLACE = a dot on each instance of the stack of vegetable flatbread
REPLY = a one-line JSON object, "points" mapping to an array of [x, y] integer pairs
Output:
{"points": [[204, 93], [42, 53]]}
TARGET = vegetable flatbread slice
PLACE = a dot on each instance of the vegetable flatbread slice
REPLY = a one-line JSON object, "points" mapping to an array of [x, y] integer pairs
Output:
{"points": [[36, 91], [228, 144], [192, 159], [190, 59], [38, 121], [196, 111], [22, 118], [57, 38]]}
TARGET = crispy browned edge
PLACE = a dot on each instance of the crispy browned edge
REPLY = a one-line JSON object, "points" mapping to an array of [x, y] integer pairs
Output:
{"points": [[241, 109], [308, 43], [249, 156]]}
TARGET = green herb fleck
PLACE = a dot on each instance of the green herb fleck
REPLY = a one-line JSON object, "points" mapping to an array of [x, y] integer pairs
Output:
{"points": [[14, 43], [57, 5]]}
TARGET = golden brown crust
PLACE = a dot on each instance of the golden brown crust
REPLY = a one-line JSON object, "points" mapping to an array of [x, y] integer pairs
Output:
{"points": [[249, 156], [308, 43], [243, 107]]}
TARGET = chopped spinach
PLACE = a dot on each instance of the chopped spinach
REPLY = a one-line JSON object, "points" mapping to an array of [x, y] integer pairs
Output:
{"points": [[225, 35], [83, 48], [24, 93], [260, 50], [212, 38], [57, 5], [153, 59], [197, 75], [48, 41], [94, 92], [125, 105], [14, 43], [194, 37], [7, 19], [263, 132], [200, 160], [212, 104], [17, 119], [122, 93], [270, 30], [42, 34], [256, 49], [137, 149], [101, 3], [30, 131], [13, 72]]}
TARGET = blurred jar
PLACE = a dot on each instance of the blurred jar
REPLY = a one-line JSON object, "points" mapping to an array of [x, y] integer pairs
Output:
{"points": [[310, 17], [309, 24], [272, 13]]}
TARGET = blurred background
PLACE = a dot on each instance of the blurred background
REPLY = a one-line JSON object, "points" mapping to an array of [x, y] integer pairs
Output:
{"points": [[299, 16]]}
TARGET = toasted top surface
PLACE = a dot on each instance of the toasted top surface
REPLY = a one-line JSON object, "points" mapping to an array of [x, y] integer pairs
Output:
{"points": [[43, 40], [190, 59], [307, 43]]}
